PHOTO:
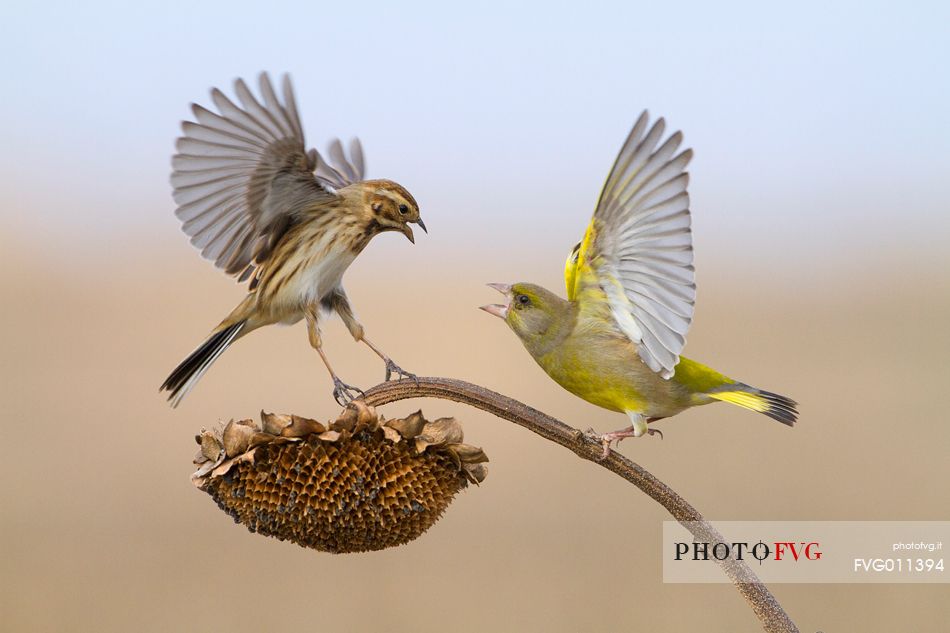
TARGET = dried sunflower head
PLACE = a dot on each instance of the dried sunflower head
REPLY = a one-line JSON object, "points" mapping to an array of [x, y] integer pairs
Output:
{"points": [[357, 484]]}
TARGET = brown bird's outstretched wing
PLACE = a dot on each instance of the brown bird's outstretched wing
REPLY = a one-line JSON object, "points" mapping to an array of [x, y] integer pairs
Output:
{"points": [[638, 247], [242, 177]]}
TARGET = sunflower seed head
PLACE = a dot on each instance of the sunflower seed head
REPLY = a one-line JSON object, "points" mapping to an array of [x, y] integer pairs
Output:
{"points": [[358, 483]]}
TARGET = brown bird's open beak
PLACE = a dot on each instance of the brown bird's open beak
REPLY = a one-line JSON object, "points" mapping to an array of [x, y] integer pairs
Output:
{"points": [[408, 231], [499, 310]]}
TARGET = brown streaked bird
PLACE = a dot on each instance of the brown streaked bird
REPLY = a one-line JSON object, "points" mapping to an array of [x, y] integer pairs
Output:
{"points": [[262, 207]]}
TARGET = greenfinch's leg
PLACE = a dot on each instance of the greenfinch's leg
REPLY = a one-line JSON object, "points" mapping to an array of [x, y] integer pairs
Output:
{"points": [[638, 428]]}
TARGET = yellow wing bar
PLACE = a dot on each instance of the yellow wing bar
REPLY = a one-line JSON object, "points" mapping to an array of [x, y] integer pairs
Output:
{"points": [[576, 260]]}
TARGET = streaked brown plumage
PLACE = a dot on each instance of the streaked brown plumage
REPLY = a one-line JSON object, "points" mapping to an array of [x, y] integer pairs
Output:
{"points": [[261, 206]]}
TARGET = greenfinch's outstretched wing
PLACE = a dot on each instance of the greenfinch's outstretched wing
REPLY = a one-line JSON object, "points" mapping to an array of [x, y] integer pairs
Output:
{"points": [[639, 245], [243, 176], [570, 272]]}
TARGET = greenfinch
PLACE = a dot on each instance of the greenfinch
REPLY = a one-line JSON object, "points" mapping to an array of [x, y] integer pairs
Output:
{"points": [[616, 340]]}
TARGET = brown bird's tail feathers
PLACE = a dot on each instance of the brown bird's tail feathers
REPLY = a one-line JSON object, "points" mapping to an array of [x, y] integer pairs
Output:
{"points": [[771, 404], [184, 377]]}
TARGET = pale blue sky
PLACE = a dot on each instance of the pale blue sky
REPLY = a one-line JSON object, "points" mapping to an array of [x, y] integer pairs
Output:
{"points": [[823, 123]]}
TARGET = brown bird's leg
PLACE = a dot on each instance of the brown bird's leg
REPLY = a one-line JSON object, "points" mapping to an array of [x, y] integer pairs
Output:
{"points": [[342, 392], [639, 428], [391, 367], [337, 301]]}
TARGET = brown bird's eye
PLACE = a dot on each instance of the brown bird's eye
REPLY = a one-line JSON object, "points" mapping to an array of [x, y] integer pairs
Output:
{"points": [[403, 209], [523, 300]]}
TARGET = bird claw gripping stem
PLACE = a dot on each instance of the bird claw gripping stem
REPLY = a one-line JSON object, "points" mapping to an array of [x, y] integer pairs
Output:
{"points": [[393, 368], [344, 393], [606, 439]]}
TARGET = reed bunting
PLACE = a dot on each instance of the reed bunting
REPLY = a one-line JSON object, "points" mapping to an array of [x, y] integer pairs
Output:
{"points": [[265, 209]]}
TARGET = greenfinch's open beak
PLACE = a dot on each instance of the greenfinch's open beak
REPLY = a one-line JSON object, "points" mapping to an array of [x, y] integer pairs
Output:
{"points": [[500, 311], [497, 309]]}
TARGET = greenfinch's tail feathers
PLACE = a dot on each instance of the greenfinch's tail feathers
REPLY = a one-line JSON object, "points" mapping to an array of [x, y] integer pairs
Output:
{"points": [[771, 404]]}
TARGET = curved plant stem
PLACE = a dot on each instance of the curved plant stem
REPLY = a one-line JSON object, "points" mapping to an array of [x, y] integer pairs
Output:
{"points": [[763, 603]]}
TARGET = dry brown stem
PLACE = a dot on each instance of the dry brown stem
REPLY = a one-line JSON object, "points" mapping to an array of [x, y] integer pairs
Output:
{"points": [[760, 599]]}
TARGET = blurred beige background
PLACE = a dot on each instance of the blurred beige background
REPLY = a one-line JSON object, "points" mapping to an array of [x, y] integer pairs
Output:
{"points": [[819, 198], [103, 531]]}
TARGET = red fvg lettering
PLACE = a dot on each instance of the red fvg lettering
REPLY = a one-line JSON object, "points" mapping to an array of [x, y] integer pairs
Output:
{"points": [[808, 550]]}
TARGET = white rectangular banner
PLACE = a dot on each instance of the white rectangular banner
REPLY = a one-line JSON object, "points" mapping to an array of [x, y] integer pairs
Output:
{"points": [[809, 551]]}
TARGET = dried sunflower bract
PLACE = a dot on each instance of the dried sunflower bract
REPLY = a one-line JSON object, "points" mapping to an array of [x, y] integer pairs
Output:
{"points": [[357, 484]]}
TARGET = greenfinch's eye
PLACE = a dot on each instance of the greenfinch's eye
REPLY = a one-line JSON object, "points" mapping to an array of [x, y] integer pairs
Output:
{"points": [[403, 209], [523, 300]]}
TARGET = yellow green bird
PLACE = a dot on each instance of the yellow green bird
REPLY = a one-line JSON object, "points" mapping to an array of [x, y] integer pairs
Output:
{"points": [[616, 340]]}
